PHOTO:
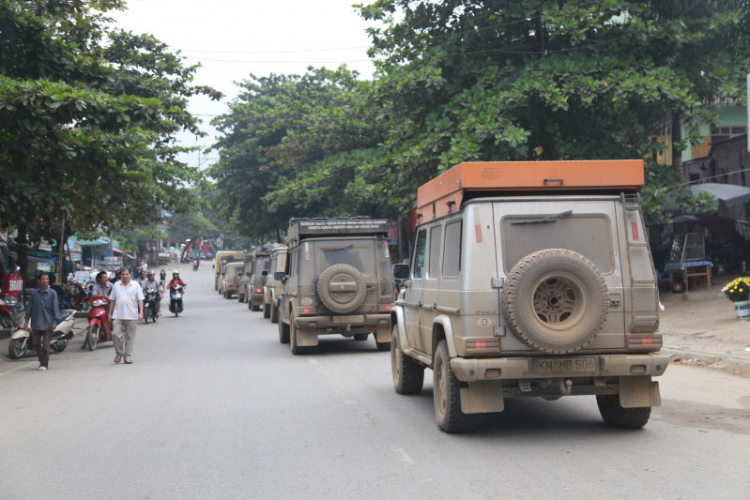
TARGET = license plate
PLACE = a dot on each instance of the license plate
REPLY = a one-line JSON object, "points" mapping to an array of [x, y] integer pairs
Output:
{"points": [[349, 319], [584, 366]]}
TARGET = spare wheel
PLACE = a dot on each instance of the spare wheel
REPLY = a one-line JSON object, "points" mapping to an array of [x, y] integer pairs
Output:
{"points": [[555, 300], [342, 288]]}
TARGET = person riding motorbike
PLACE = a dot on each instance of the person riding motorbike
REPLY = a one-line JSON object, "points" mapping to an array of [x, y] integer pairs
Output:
{"points": [[151, 283], [196, 263], [176, 281], [101, 290]]}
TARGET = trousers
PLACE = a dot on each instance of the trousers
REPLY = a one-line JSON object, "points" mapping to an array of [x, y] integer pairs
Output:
{"points": [[123, 335], [42, 340]]}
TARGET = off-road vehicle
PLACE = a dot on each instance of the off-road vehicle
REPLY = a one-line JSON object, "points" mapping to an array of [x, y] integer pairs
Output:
{"points": [[230, 279], [530, 279], [272, 288], [261, 268], [245, 277], [220, 261], [338, 281]]}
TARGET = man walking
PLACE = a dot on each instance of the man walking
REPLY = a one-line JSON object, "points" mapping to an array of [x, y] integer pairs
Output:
{"points": [[126, 308], [43, 311]]}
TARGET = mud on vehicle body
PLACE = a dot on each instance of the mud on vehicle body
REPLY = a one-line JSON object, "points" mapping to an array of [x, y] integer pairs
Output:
{"points": [[261, 270], [338, 281], [245, 276], [530, 280], [230, 279], [272, 288], [220, 260]]}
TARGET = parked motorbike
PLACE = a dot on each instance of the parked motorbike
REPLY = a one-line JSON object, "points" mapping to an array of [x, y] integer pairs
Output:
{"points": [[149, 304], [98, 329], [81, 298], [21, 343], [6, 316], [175, 299]]}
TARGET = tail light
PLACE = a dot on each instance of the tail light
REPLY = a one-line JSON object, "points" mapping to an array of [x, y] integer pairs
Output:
{"points": [[645, 341], [384, 307], [483, 344], [308, 310], [258, 290]]}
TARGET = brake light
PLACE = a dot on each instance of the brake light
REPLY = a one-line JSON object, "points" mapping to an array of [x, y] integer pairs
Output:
{"points": [[308, 310], [385, 307], [645, 341], [258, 290], [484, 344]]}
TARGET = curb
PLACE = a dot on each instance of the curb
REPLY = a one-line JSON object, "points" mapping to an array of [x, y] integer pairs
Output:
{"points": [[708, 358]]}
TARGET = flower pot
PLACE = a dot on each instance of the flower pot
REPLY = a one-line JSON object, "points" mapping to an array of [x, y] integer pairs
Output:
{"points": [[742, 309]]}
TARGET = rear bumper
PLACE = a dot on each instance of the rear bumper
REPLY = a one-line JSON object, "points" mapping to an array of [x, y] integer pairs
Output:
{"points": [[606, 365], [370, 323]]}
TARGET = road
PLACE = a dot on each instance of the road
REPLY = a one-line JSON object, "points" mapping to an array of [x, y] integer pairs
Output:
{"points": [[214, 407]]}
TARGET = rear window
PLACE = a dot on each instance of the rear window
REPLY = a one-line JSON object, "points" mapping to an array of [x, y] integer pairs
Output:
{"points": [[589, 235], [360, 254]]}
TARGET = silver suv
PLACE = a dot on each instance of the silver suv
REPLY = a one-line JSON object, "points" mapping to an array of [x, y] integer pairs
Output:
{"points": [[530, 280], [338, 280]]}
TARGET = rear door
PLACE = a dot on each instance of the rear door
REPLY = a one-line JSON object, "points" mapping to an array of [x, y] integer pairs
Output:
{"points": [[588, 226]]}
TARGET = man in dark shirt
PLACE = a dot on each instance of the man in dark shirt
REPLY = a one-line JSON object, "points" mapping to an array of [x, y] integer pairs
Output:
{"points": [[43, 312]]}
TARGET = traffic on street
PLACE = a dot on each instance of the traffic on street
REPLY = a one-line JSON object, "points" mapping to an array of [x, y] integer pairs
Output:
{"points": [[214, 406]]}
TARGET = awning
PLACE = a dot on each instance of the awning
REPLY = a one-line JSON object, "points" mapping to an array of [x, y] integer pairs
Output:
{"points": [[730, 194], [117, 250], [92, 243]]}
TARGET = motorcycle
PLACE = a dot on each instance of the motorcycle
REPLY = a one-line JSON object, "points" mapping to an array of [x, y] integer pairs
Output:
{"points": [[20, 341], [98, 329], [175, 299], [6, 316], [149, 304], [196, 264], [81, 298]]}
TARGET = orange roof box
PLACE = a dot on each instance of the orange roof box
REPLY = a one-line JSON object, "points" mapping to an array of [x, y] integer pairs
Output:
{"points": [[446, 192]]}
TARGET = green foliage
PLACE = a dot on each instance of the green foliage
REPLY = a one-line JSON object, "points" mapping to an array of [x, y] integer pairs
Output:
{"points": [[480, 80], [88, 115], [667, 192]]}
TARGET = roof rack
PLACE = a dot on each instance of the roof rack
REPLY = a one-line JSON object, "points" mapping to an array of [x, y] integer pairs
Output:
{"points": [[335, 226], [447, 192]]}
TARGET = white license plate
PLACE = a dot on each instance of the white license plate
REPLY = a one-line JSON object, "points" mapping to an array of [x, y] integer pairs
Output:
{"points": [[349, 319], [584, 366]]}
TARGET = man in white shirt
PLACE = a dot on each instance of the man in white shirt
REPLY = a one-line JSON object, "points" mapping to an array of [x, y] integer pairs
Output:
{"points": [[126, 308]]}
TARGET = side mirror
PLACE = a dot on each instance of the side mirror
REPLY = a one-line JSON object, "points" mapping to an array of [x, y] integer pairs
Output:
{"points": [[400, 271], [279, 275], [264, 273]]}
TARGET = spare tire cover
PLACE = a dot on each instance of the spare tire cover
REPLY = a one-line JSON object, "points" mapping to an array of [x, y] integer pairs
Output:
{"points": [[341, 288], [555, 300]]}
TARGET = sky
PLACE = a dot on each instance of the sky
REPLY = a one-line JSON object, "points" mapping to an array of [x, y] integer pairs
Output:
{"points": [[233, 38]]}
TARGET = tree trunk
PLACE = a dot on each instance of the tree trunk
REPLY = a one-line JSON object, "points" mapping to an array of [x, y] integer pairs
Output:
{"points": [[22, 249], [676, 140]]}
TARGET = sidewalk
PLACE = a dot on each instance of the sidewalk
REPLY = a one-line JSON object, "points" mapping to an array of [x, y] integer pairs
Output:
{"points": [[700, 328]]}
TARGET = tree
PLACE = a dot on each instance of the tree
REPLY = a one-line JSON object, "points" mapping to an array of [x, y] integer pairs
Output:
{"points": [[503, 80], [296, 146], [88, 115]]}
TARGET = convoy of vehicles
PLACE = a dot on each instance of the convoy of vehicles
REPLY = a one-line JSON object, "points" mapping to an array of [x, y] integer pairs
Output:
{"points": [[220, 260], [230, 279], [273, 287]]}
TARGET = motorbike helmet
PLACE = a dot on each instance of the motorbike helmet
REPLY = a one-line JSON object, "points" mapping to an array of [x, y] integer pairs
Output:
{"points": [[150, 273]]}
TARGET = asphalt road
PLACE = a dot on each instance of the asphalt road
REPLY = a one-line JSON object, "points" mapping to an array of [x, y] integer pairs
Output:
{"points": [[214, 407]]}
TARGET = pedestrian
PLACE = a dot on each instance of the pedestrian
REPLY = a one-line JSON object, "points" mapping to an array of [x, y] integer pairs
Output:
{"points": [[126, 308], [43, 311]]}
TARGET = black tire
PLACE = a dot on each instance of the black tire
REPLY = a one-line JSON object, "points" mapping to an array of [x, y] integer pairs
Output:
{"points": [[408, 375], [60, 345], [342, 288], [556, 301], [446, 394], [176, 313], [92, 337], [283, 332], [295, 347], [256, 307], [6, 322], [19, 347], [622, 418], [360, 337], [266, 311], [274, 313]]}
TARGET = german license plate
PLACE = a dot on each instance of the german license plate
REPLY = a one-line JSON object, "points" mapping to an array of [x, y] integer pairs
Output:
{"points": [[582, 366], [349, 319]]}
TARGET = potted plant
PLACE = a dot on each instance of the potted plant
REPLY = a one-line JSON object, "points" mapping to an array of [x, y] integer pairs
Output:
{"points": [[738, 291]]}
